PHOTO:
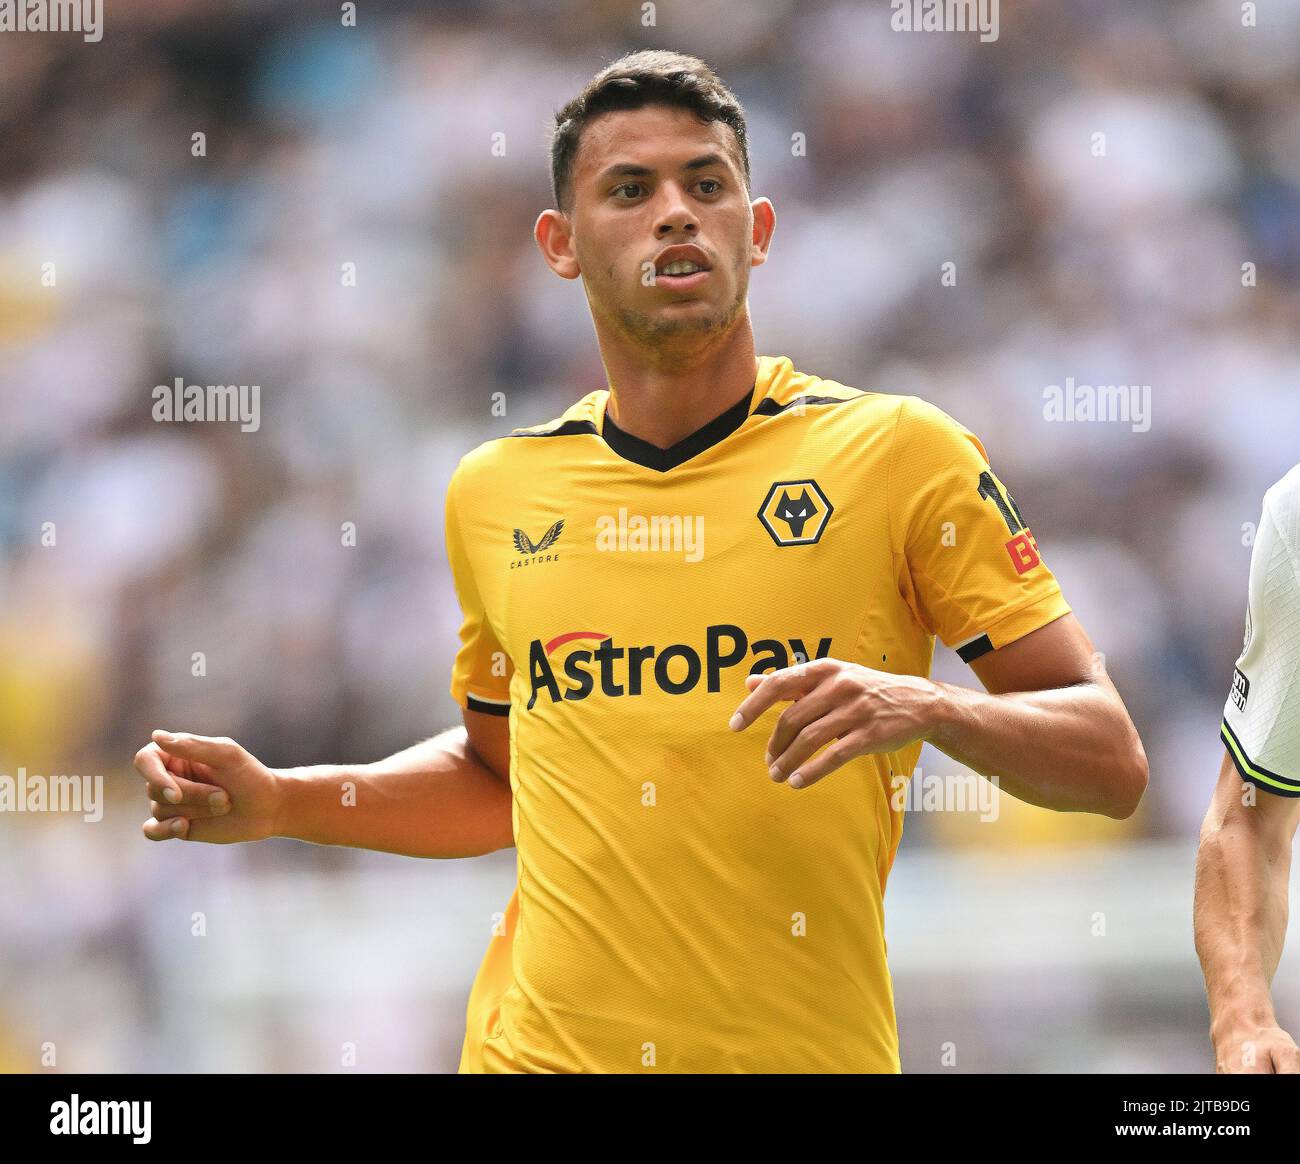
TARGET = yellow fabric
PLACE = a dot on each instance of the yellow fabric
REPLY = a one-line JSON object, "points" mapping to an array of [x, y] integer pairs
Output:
{"points": [[676, 910]]}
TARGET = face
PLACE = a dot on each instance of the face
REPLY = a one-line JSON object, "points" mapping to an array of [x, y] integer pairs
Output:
{"points": [[661, 228]]}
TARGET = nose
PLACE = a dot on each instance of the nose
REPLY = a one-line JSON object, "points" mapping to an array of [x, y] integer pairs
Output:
{"points": [[674, 215]]}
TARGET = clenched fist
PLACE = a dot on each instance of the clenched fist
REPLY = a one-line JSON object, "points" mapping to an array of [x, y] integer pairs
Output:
{"points": [[205, 788]]}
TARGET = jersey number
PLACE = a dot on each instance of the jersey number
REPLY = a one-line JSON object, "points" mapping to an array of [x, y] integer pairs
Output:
{"points": [[1006, 506]]}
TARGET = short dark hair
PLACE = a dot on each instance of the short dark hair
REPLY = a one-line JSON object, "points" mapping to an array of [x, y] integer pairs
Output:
{"points": [[649, 77]]}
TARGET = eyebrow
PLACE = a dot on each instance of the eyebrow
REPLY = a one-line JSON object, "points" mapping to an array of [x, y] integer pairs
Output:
{"points": [[632, 170]]}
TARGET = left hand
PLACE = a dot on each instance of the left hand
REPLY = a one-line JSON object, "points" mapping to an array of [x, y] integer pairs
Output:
{"points": [[860, 709]]}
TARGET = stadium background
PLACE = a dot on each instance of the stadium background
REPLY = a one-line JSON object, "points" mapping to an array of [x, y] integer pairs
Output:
{"points": [[1033, 943]]}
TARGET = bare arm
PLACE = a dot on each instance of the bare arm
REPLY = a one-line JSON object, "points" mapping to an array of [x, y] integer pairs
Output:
{"points": [[440, 798], [1243, 868], [1052, 729], [446, 797]]}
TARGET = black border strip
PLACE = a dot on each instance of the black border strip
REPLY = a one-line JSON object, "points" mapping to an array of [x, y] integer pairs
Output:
{"points": [[975, 648], [769, 407], [472, 704], [568, 428], [643, 453]]}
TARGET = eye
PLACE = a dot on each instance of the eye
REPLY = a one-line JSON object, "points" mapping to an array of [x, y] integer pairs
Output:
{"points": [[618, 190], [713, 182]]}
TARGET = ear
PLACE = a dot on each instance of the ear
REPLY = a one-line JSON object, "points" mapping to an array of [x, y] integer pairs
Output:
{"points": [[764, 226], [554, 235]]}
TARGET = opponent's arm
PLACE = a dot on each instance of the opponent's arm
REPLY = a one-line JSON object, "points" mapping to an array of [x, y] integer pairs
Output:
{"points": [[1051, 729], [448, 796], [1243, 869]]}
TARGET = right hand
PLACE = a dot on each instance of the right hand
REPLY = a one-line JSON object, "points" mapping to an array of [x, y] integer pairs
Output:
{"points": [[1256, 1051], [205, 788]]}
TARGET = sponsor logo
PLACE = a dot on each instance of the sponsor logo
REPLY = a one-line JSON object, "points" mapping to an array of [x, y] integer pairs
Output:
{"points": [[795, 513], [533, 551], [1240, 689], [614, 671], [1024, 551]]}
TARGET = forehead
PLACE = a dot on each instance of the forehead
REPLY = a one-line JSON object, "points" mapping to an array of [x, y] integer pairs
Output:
{"points": [[658, 137]]}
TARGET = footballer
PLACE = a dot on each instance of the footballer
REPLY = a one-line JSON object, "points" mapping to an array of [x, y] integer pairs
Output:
{"points": [[1244, 862], [695, 755]]}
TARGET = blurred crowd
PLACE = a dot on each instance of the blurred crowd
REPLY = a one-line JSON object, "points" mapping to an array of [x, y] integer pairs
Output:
{"points": [[259, 194]]}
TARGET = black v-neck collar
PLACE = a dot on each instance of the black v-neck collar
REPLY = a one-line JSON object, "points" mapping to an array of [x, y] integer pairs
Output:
{"points": [[643, 453]]}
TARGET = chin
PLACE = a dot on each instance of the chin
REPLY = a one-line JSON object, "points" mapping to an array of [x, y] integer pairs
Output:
{"points": [[691, 317]]}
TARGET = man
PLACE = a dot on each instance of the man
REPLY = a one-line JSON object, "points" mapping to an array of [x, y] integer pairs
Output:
{"points": [[1244, 862], [716, 534]]}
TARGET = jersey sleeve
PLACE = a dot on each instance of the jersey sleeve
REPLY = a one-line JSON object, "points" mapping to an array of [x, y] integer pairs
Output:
{"points": [[966, 563], [480, 675], [1261, 718]]}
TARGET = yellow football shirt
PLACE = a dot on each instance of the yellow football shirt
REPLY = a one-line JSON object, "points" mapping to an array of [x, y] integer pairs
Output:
{"points": [[676, 910]]}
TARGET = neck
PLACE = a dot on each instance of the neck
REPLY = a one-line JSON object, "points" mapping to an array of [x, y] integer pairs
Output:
{"points": [[664, 397]]}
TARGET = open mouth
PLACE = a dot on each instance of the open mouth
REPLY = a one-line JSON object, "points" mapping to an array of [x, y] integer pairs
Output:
{"points": [[681, 267]]}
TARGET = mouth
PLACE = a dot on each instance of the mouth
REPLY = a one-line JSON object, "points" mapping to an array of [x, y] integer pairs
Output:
{"points": [[682, 282], [681, 268]]}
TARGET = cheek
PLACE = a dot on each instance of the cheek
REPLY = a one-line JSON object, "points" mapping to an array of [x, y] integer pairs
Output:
{"points": [[609, 262], [740, 248], [594, 268]]}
